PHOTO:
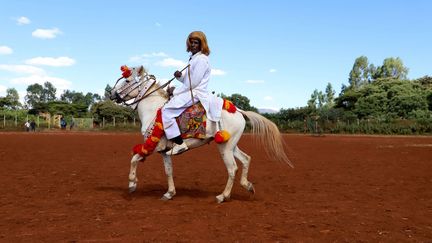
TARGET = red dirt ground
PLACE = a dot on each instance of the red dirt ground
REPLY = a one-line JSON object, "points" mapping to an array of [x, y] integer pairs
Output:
{"points": [[73, 187]]}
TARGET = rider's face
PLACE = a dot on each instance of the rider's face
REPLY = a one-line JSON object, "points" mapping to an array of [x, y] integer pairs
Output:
{"points": [[195, 46]]}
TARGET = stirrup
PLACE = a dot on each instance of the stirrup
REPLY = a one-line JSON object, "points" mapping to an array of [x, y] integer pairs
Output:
{"points": [[178, 149]]}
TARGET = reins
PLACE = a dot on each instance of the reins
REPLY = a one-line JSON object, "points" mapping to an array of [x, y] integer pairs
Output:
{"points": [[146, 88]]}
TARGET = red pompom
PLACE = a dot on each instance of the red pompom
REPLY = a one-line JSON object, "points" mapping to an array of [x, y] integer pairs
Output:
{"points": [[126, 73], [229, 106], [221, 136]]}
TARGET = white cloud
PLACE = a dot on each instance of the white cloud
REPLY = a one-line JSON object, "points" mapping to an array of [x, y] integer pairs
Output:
{"points": [[144, 57], [5, 50], [138, 59], [158, 24], [22, 69], [254, 81], [171, 62], [268, 98], [23, 20], [46, 33], [217, 72], [51, 61], [22, 94], [156, 54], [272, 70], [59, 83]]}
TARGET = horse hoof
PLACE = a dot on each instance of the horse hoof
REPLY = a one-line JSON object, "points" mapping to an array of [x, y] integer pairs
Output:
{"points": [[251, 188], [167, 196], [132, 189], [220, 199]]}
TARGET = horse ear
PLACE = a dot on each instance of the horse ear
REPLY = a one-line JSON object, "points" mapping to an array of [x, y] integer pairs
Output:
{"points": [[141, 70]]}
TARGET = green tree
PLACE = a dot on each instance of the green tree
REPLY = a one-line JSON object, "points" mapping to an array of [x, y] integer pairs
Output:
{"points": [[11, 100], [48, 92], [347, 98], [34, 95], [392, 68], [329, 95], [321, 99], [74, 97], [108, 110], [107, 93], [360, 73], [312, 102]]}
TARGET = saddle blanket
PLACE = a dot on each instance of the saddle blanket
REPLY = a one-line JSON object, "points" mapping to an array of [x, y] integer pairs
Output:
{"points": [[192, 122]]}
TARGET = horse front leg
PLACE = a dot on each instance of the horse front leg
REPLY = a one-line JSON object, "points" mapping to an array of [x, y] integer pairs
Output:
{"points": [[169, 173], [133, 180]]}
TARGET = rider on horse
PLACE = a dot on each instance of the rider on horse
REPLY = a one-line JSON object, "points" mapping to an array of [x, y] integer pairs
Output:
{"points": [[193, 90]]}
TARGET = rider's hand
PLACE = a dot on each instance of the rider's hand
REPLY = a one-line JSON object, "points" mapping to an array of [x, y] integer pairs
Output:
{"points": [[177, 74], [170, 90]]}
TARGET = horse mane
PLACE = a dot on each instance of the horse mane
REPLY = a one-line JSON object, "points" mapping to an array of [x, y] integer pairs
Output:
{"points": [[162, 92]]}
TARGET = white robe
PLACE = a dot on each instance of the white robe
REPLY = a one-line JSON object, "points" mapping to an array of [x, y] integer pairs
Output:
{"points": [[199, 75]]}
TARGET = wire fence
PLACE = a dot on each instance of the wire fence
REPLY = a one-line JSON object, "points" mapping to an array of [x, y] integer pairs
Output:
{"points": [[17, 121]]}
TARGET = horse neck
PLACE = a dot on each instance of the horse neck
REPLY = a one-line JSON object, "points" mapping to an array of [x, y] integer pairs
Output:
{"points": [[148, 107]]}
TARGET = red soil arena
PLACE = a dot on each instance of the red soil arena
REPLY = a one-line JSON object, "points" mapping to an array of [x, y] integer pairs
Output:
{"points": [[74, 187]]}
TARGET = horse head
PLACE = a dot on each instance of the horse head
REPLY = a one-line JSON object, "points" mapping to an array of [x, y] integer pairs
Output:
{"points": [[135, 82]]}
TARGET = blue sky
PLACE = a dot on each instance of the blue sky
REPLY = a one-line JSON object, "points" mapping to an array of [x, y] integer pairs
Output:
{"points": [[274, 52]]}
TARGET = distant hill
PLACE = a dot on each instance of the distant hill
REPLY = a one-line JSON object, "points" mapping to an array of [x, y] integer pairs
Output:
{"points": [[265, 110]]}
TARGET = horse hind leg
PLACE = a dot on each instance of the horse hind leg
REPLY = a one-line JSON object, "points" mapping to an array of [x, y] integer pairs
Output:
{"points": [[169, 173], [228, 158], [245, 160], [133, 180]]}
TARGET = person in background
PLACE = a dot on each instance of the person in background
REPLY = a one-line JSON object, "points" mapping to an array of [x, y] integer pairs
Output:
{"points": [[33, 126], [72, 124], [27, 126]]}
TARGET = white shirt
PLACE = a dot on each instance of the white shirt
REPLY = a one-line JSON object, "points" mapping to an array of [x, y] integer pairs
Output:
{"points": [[199, 78]]}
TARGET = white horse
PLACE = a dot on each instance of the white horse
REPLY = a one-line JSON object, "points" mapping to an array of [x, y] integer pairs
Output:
{"points": [[150, 96]]}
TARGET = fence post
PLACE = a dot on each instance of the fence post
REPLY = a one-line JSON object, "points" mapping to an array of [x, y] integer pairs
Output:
{"points": [[114, 121], [38, 123], [92, 123], [16, 119], [103, 122], [134, 120], [4, 120], [124, 121]]}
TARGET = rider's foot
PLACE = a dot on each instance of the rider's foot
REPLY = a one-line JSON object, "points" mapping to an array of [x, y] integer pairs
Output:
{"points": [[178, 149]]}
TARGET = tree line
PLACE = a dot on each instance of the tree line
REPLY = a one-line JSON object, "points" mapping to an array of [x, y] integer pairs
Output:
{"points": [[376, 99], [43, 99]]}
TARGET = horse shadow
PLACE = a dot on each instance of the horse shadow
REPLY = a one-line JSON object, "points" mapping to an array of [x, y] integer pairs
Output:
{"points": [[157, 191]]}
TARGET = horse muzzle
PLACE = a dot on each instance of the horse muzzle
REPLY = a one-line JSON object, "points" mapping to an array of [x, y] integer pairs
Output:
{"points": [[116, 97]]}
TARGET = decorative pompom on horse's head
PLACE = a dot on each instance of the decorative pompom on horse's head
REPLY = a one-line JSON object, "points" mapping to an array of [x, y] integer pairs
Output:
{"points": [[222, 136], [126, 72]]}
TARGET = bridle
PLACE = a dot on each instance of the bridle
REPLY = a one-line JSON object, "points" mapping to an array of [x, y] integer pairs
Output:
{"points": [[143, 85]]}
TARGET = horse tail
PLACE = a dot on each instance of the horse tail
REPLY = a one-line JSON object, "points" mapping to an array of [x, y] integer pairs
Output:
{"points": [[268, 135]]}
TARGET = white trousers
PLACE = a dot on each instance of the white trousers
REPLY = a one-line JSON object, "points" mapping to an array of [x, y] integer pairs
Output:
{"points": [[169, 113]]}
